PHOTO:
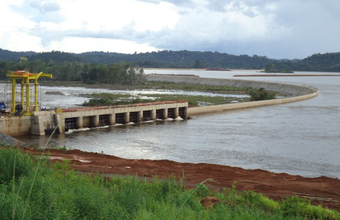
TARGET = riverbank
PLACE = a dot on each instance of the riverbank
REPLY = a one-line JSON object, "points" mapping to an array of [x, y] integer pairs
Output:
{"points": [[320, 191]]}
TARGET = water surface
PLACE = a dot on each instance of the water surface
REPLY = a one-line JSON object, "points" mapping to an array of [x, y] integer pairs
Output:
{"points": [[296, 138]]}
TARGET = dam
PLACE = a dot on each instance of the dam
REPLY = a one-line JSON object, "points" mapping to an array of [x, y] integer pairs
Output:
{"points": [[61, 120]]}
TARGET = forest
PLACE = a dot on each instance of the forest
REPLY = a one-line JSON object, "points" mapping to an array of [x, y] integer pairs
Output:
{"points": [[90, 73], [108, 67], [329, 62]]}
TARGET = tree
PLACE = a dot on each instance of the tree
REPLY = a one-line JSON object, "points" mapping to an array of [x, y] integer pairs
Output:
{"points": [[261, 94], [198, 64]]}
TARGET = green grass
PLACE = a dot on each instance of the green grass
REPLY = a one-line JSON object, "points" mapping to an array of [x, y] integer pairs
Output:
{"points": [[153, 85], [102, 99], [33, 188]]}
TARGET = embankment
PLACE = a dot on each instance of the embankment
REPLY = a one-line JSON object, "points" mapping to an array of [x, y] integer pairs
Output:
{"points": [[6, 140], [296, 92]]}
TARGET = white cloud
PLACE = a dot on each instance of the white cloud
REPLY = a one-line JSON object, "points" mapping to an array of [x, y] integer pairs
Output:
{"points": [[277, 28], [45, 6]]}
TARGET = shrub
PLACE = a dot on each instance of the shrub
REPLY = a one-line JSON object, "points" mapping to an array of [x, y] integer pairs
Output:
{"points": [[14, 164], [261, 94]]}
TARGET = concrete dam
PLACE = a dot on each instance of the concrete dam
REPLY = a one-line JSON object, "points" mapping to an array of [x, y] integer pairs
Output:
{"points": [[61, 120], [295, 92], [43, 122]]}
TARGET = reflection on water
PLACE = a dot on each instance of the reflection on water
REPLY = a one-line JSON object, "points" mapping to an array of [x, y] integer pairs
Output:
{"points": [[297, 138]]}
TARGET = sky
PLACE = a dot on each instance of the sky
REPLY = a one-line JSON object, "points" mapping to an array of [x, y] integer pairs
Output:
{"points": [[279, 29]]}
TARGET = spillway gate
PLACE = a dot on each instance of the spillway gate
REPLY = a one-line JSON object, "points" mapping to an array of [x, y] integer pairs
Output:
{"points": [[87, 117]]}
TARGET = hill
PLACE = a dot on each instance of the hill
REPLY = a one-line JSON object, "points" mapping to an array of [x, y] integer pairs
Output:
{"points": [[7, 55], [159, 59], [329, 62]]}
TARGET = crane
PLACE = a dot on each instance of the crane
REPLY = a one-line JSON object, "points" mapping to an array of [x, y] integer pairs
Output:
{"points": [[25, 77]]}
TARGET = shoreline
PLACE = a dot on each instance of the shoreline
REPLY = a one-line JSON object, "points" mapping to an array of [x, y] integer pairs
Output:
{"points": [[285, 75], [320, 190]]}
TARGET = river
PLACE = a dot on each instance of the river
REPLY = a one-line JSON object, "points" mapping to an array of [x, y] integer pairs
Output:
{"points": [[301, 138]]}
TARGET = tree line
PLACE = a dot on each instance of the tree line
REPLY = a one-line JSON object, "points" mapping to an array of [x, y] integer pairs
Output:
{"points": [[156, 59], [329, 62], [122, 73]]}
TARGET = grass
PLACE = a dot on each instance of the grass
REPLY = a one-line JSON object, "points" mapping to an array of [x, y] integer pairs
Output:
{"points": [[59, 193], [99, 99], [153, 85], [104, 99]]}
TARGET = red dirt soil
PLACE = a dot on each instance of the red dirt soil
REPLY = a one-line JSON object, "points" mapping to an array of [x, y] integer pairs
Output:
{"points": [[323, 191]]}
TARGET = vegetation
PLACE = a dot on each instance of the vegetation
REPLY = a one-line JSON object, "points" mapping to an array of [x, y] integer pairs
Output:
{"points": [[102, 67], [106, 99], [33, 188], [328, 62], [159, 59], [261, 94], [123, 73], [272, 68]]}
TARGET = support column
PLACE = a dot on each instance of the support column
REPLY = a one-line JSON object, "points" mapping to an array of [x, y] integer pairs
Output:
{"points": [[153, 114], [13, 94], [126, 117], [176, 113], [165, 113], [79, 122], [58, 121], [37, 126], [36, 94], [185, 113], [112, 119], [139, 116], [22, 92], [95, 120], [27, 96]]}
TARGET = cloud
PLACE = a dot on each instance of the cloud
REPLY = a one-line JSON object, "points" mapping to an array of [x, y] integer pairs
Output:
{"points": [[45, 6], [120, 22], [174, 2], [277, 28]]}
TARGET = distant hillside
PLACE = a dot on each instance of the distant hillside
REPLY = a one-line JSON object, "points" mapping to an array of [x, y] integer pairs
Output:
{"points": [[55, 56], [328, 62], [165, 59], [7, 55], [321, 62], [185, 59], [180, 59]]}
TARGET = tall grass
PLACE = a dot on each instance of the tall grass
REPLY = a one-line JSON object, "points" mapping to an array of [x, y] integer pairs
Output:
{"points": [[59, 193]]}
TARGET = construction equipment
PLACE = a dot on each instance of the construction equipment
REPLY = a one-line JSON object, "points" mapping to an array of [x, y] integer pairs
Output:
{"points": [[25, 76], [3, 106]]}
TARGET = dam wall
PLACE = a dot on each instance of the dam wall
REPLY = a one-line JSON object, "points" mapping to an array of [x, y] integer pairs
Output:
{"points": [[46, 122], [15, 125], [295, 92]]}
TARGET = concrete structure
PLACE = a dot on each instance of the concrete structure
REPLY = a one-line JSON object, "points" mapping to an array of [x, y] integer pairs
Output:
{"points": [[297, 92], [44, 122]]}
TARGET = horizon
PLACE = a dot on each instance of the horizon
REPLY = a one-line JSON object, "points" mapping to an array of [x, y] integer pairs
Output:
{"points": [[167, 50]]}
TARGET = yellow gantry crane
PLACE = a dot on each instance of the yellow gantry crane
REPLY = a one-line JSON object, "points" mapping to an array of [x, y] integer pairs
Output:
{"points": [[25, 77]]}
